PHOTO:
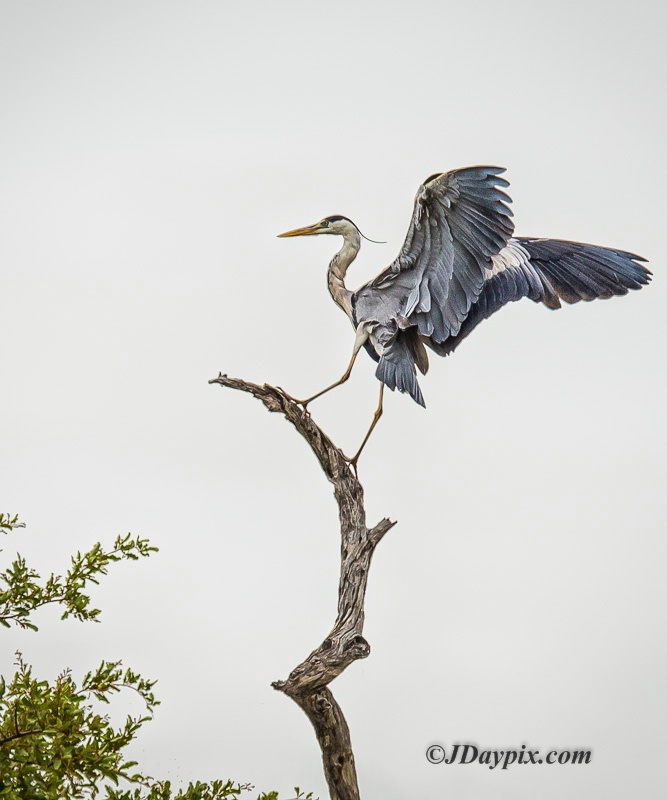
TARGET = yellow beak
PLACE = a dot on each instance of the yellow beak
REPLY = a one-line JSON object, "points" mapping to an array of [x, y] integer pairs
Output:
{"points": [[311, 230]]}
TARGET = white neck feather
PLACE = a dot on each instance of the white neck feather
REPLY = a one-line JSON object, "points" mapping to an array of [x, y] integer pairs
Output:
{"points": [[338, 268]]}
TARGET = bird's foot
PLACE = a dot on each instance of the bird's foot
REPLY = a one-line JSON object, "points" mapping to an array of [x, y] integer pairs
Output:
{"points": [[352, 462], [302, 403]]}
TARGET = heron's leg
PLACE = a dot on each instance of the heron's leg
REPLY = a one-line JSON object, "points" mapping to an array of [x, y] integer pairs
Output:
{"points": [[376, 419], [358, 343]]}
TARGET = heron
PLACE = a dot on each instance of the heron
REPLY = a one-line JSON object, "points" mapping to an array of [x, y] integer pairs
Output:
{"points": [[459, 264]]}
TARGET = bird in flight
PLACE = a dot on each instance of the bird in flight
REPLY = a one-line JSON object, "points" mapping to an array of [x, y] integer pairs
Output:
{"points": [[459, 264]]}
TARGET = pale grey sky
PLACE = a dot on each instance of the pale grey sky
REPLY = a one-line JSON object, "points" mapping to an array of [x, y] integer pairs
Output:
{"points": [[149, 154]]}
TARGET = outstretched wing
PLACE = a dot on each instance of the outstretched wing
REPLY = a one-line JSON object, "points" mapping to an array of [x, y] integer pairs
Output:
{"points": [[460, 220], [548, 271]]}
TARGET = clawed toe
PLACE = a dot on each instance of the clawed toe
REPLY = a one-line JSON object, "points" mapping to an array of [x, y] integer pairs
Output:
{"points": [[286, 394], [291, 398], [303, 403], [352, 462]]}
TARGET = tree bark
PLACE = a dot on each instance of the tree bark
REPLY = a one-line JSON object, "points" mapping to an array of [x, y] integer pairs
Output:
{"points": [[308, 683]]}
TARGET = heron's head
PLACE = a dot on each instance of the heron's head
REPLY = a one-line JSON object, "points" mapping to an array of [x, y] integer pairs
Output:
{"points": [[340, 226]]}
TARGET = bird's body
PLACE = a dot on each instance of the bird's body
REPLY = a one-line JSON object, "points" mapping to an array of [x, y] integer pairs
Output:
{"points": [[459, 264]]}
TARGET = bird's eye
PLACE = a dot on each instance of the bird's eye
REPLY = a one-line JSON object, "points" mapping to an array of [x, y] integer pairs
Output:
{"points": [[324, 223]]}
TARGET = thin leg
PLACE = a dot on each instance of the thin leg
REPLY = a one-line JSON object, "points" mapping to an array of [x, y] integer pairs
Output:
{"points": [[346, 375], [358, 342], [376, 419]]}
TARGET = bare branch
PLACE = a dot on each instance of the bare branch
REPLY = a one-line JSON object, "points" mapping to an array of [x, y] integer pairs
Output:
{"points": [[307, 683]]}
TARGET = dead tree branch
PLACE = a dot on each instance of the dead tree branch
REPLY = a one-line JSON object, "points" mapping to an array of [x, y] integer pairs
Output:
{"points": [[307, 683]]}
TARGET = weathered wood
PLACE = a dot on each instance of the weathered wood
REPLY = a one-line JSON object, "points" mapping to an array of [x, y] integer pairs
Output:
{"points": [[307, 683]]}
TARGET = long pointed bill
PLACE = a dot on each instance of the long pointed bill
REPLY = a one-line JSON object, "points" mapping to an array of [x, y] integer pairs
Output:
{"points": [[311, 230]]}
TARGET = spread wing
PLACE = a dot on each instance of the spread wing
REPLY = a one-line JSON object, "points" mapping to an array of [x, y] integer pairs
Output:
{"points": [[548, 271], [460, 264], [460, 220]]}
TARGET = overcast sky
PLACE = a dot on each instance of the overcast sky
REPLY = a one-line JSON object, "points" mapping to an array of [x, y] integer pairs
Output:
{"points": [[149, 154]]}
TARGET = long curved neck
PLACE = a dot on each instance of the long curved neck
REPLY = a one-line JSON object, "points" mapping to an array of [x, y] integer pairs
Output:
{"points": [[338, 268]]}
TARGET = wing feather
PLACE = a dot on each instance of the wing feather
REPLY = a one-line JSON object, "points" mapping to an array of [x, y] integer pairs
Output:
{"points": [[459, 264], [547, 271], [460, 219]]}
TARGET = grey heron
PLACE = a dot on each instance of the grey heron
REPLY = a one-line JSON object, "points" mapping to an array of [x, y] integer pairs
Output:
{"points": [[459, 264]]}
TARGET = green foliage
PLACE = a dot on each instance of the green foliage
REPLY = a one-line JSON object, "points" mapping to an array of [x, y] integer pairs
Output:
{"points": [[216, 790], [23, 593], [8, 523], [55, 742]]}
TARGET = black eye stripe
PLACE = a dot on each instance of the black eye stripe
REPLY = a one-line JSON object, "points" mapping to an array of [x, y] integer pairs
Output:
{"points": [[338, 218]]}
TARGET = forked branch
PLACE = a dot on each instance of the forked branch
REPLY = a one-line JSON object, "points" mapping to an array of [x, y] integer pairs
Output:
{"points": [[307, 683]]}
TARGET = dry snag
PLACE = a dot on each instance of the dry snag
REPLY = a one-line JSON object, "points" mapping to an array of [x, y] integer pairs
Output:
{"points": [[308, 683]]}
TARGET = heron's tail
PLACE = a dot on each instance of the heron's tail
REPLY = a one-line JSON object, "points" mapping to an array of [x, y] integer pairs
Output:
{"points": [[396, 368]]}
